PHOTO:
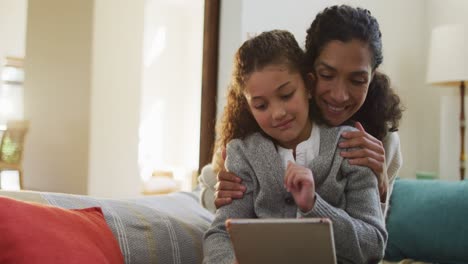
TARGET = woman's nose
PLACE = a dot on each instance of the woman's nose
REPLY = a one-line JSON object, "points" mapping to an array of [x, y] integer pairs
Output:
{"points": [[339, 92]]}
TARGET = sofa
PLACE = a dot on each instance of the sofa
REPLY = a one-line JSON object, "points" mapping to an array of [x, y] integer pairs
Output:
{"points": [[426, 222]]}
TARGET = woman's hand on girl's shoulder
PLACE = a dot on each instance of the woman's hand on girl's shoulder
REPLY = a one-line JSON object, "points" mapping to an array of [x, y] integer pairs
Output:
{"points": [[371, 153]]}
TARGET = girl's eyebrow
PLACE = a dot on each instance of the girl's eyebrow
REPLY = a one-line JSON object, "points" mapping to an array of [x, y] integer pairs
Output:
{"points": [[277, 89], [283, 85]]}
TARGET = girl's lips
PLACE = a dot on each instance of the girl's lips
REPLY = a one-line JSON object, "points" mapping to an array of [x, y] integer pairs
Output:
{"points": [[284, 125]]}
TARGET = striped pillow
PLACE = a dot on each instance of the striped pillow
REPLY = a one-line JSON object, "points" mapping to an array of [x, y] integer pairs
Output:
{"points": [[152, 229]]}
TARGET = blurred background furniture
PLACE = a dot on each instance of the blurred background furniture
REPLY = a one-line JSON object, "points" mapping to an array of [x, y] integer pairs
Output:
{"points": [[11, 148], [448, 66], [161, 182]]}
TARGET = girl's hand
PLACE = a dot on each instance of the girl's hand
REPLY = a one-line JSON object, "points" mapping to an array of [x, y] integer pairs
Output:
{"points": [[228, 187], [300, 182], [371, 154]]}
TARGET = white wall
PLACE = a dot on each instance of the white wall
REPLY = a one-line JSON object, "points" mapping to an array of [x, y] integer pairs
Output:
{"points": [[230, 38], [405, 45], [115, 98], [12, 40], [56, 96], [12, 28]]}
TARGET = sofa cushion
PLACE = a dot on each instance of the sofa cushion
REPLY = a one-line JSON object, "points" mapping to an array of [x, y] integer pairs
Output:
{"points": [[34, 233], [150, 229], [427, 221]]}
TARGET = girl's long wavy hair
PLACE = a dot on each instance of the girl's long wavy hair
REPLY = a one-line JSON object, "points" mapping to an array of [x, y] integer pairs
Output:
{"points": [[276, 47], [382, 110]]}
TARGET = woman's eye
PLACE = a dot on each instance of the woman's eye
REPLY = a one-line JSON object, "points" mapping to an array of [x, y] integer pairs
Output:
{"points": [[358, 82], [326, 76]]}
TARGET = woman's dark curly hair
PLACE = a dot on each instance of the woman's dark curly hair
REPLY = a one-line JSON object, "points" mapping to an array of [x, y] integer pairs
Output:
{"points": [[268, 48], [381, 111]]}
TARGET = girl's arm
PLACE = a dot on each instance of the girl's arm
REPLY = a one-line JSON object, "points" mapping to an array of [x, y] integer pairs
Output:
{"points": [[369, 152], [383, 157], [359, 230], [217, 245]]}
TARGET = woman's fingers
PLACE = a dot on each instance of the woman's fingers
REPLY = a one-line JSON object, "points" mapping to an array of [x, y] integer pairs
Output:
{"points": [[362, 141], [375, 165], [228, 176], [363, 153], [229, 194], [229, 186], [219, 202]]}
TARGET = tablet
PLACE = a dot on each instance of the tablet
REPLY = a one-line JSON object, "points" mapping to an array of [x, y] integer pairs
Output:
{"points": [[306, 240]]}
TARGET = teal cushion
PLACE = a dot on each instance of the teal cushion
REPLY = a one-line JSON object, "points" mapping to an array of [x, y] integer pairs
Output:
{"points": [[428, 221]]}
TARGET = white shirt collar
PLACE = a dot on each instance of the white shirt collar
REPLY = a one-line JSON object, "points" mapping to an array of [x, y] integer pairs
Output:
{"points": [[306, 151]]}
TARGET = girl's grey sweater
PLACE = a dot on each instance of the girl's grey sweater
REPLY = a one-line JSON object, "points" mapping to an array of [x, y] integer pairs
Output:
{"points": [[345, 194]]}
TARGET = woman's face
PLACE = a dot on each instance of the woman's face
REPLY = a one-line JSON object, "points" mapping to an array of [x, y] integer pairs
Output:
{"points": [[279, 102], [344, 72]]}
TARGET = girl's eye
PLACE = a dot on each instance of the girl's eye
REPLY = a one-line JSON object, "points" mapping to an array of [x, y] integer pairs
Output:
{"points": [[287, 96], [260, 107]]}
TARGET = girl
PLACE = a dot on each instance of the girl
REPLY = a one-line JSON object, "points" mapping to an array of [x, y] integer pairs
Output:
{"points": [[343, 51], [289, 164]]}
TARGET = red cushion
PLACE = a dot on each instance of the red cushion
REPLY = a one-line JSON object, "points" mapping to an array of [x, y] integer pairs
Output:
{"points": [[33, 233]]}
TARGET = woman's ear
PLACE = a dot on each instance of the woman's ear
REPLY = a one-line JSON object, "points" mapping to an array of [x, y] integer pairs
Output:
{"points": [[311, 83], [311, 77], [372, 75]]}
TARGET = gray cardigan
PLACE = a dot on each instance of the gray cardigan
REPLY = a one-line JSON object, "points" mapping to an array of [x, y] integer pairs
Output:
{"points": [[346, 194]]}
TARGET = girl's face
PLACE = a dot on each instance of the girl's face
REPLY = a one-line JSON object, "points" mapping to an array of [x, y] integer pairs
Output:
{"points": [[344, 72], [279, 102]]}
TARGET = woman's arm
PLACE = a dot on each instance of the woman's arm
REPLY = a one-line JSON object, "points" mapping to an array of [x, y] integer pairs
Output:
{"points": [[394, 162], [384, 158]]}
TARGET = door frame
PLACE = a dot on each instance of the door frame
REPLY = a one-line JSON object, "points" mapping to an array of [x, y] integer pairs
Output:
{"points": [[209, 81]]}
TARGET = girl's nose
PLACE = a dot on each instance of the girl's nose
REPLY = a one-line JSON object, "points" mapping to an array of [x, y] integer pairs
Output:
{"points": [[279, 112]]}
